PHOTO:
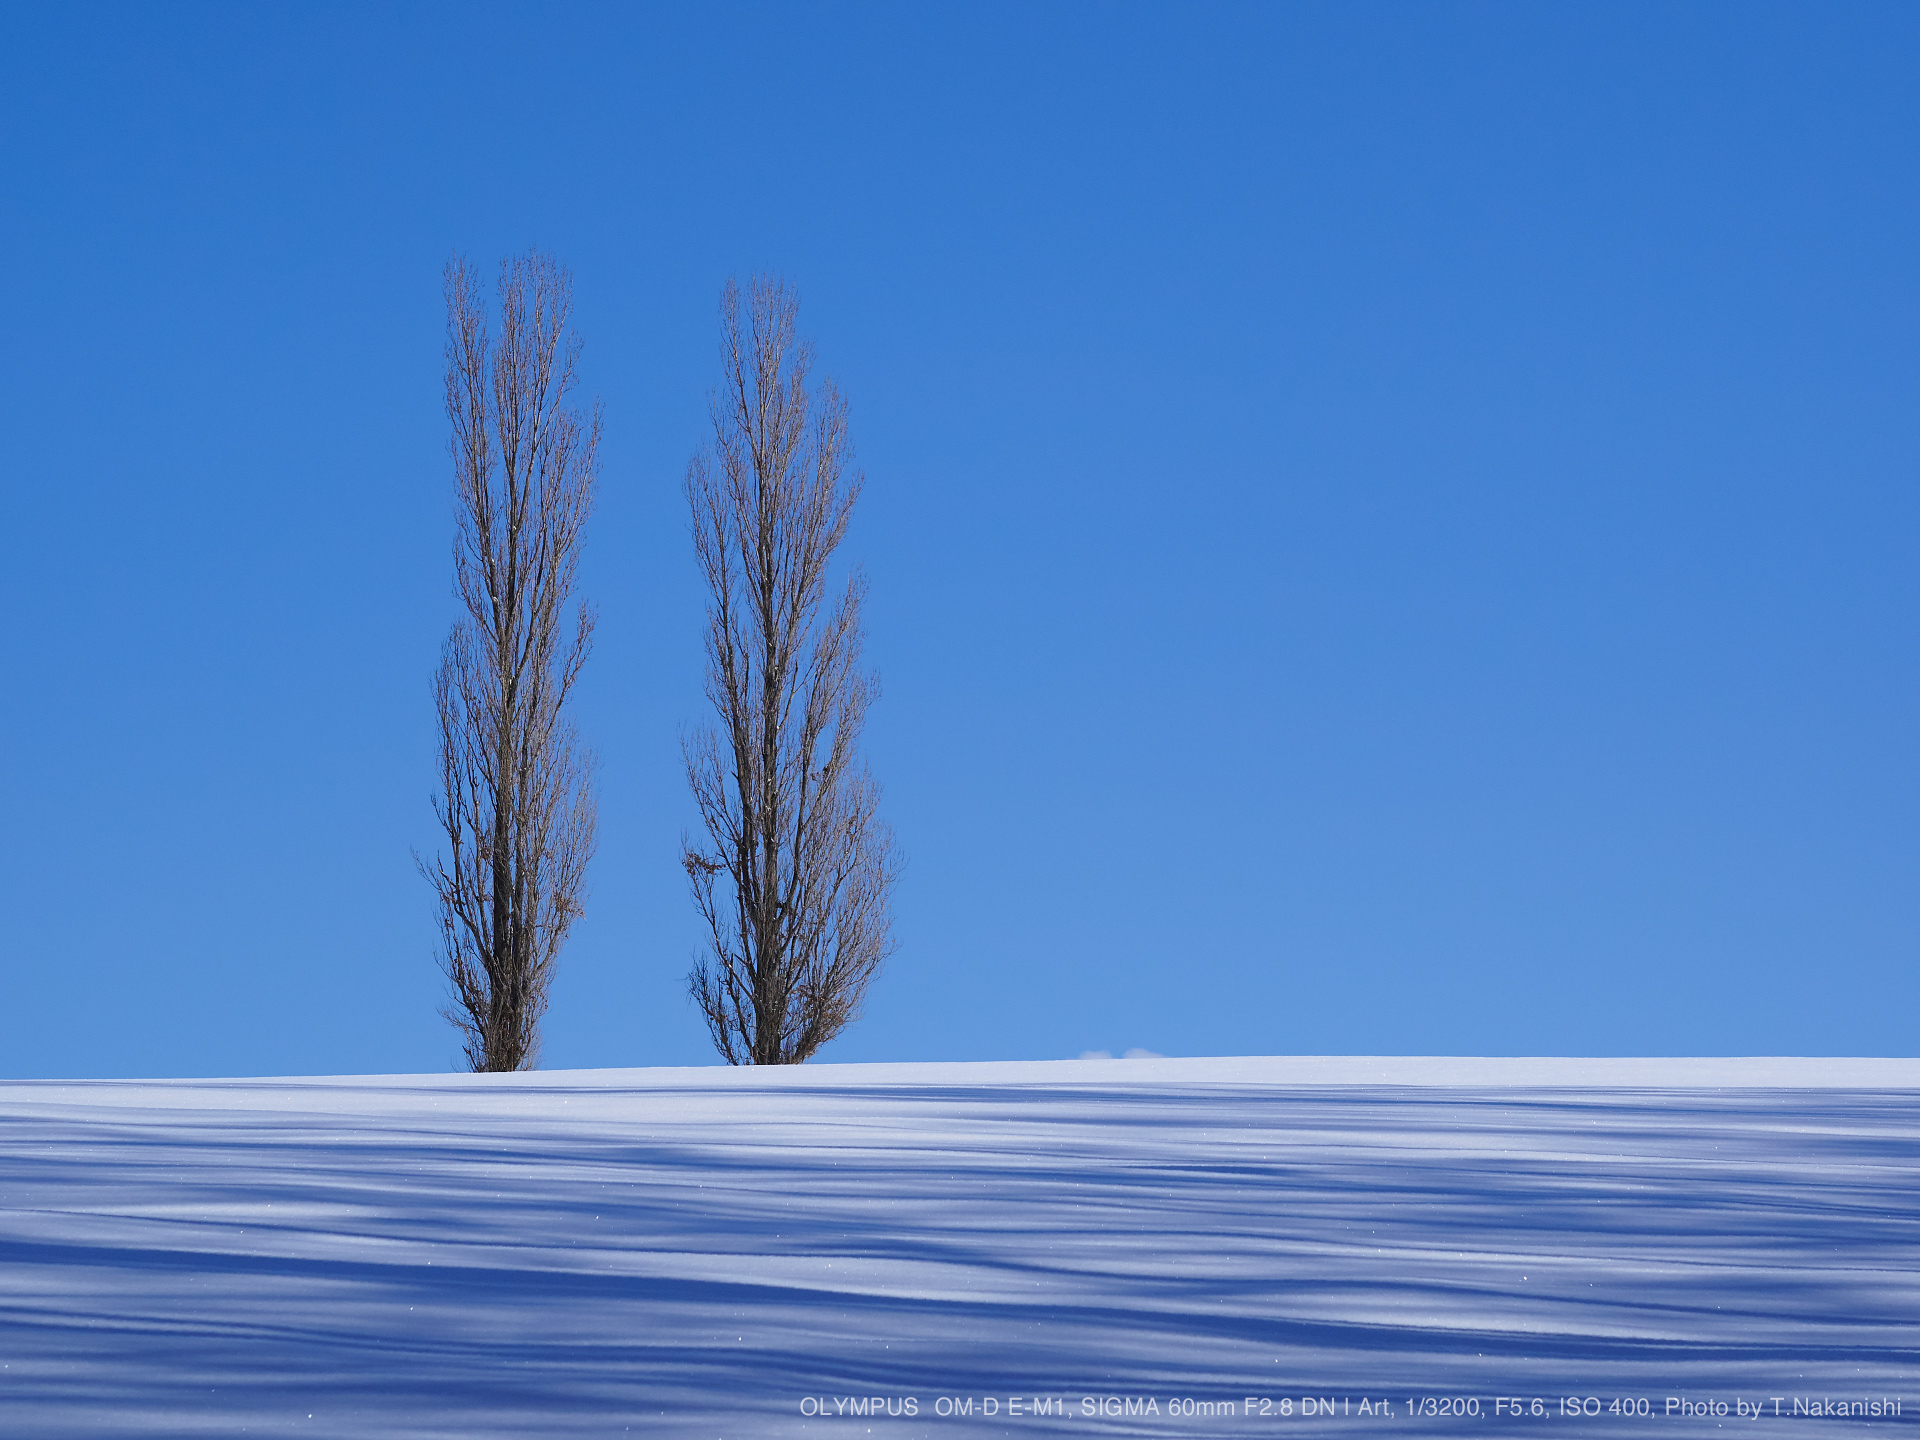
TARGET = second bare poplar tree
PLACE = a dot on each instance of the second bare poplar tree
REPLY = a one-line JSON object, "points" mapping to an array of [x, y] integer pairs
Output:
{"points": [[516, 800], [800, 924]]}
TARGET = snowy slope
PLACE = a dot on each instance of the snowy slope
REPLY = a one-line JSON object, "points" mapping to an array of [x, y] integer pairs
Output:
{"points": [[711, 1253]]}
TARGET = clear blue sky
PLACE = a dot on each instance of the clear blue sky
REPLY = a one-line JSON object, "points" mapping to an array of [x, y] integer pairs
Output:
{"points": [[1392, 528]]}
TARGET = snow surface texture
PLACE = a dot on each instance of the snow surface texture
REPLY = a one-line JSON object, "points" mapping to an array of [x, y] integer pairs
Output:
{"points": [[707, 1253]]}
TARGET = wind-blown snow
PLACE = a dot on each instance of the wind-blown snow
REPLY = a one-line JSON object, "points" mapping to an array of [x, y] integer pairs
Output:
{"points": [[711, 1252]]}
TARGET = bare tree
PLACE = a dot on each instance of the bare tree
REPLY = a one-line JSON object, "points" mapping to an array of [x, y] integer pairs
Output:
{"points": [[516, 798], [800, 926]]}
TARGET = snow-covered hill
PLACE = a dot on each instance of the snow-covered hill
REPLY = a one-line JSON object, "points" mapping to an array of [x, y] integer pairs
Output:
{"points": [[1139, 1246]]}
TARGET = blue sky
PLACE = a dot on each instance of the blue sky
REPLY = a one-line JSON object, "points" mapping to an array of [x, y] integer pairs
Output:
{"points": [[1391, 528]]}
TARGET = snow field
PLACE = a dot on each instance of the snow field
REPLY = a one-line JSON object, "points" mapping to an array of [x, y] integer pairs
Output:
{"points": [[730, 1253]]}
